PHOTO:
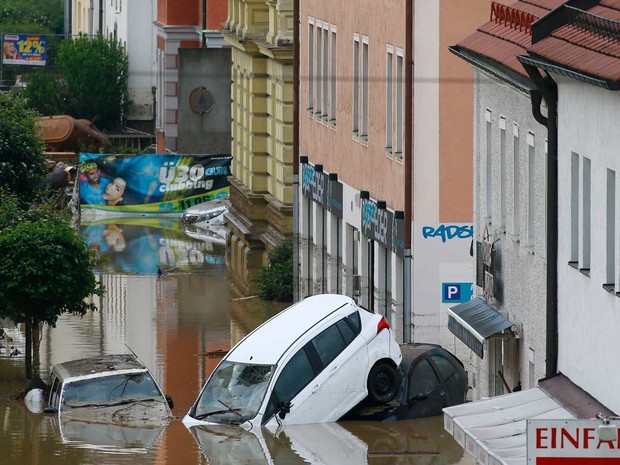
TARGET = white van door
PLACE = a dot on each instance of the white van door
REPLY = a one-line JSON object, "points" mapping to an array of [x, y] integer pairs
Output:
{"points": [[324, 379]]}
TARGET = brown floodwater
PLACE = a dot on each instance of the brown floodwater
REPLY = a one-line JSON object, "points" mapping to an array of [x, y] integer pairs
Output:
{"points": [[170, 301]]}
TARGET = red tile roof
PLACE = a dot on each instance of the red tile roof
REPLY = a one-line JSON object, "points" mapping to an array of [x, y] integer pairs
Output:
{"points": [[508, 33], [589, 42]]}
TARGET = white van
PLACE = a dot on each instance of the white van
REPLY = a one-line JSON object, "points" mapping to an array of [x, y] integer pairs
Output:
{"points": [[310, 363]]}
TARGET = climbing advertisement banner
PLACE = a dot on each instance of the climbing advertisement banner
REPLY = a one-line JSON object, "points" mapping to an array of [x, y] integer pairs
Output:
{"points": [[150, 183]]}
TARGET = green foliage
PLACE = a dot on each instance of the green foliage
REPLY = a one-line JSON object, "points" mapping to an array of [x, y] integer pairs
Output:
{"points": [[275, 281], [21, 149], [44, 92], [46, 267], [22, 15], [91, 82]]}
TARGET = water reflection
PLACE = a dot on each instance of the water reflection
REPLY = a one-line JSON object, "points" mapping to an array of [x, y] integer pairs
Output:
{"points": [[148, 245], [420, 442], [172, 321]]}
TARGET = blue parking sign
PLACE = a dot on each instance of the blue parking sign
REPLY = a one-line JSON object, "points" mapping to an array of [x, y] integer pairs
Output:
{"points": [[456, 292]]}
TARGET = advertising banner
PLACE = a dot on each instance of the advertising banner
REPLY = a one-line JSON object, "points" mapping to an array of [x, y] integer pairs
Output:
{"points": [[24, 49], [151, 183]]}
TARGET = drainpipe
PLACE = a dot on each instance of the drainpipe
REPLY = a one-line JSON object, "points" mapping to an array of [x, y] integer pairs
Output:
{"points": [[408, 166], [91, 19], [204, 23], [296, 150], [100, 31], [547, 89]]}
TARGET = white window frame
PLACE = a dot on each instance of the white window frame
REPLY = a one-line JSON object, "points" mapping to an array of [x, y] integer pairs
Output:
{"points": [[356, 86], [333, 77], [365, 91], [399, 119], [311, 70], [389, 100]]}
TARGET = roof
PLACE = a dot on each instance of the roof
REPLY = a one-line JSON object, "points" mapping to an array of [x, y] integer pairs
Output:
{"points": [[508, 32], [267, 343], [474, 321], [98, 365], [577, 38], [587, 42], [496, 427]]}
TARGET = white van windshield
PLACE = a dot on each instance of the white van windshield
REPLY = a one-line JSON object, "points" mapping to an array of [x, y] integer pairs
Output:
{"points": [[234, 393]]}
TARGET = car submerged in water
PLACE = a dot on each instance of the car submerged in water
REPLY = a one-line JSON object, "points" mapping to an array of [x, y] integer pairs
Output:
{"points": [[107, 389], [310, 363]]}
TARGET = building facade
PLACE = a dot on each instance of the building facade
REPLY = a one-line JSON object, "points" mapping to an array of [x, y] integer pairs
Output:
{"points": [[261, 213], [385, 209], [179, 24]]}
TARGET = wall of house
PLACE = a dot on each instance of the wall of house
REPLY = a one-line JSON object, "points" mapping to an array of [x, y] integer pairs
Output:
{"points": [[589, 314], [209, 69], [505, 131]]}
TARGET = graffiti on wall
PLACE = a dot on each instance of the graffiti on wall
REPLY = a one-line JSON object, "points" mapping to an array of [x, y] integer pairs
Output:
{"points": [[448, 232]]}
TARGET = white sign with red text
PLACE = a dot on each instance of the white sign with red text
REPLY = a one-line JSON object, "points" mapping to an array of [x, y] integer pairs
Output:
{"points": [[573, 442]]}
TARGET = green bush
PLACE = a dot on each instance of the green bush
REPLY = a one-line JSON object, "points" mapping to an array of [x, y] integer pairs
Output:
{"points": [[275, 281]]}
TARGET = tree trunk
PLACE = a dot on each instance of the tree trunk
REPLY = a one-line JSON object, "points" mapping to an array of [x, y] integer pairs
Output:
{"points": [[36, 338], [28, 353]]}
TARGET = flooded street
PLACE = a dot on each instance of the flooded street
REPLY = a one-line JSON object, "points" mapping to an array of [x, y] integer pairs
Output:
{"points": [[169, 300]]}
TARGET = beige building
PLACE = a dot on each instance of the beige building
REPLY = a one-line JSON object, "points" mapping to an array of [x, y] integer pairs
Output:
{"points": [[261, 36]]}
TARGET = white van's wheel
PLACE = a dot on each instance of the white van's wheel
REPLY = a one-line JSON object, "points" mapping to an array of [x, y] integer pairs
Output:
{"points": [[382, 383]]}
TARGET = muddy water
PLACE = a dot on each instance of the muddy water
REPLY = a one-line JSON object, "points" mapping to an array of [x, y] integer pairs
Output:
{"points": [[173, 320]]}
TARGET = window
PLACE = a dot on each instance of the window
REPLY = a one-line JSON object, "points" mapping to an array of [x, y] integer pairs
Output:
{"points": [[318, 111], [295, 376], [444, 366], [356, 86], [611, 227], [516, 179], [531, 189], [584, 264], [326, 77], [55, 393], [389, 99], [502, 180], [345, 331], [365, 90], [355, 322], [574, 208], [423, 379], [329, 344], [310, 66], [399, 99], [334, 80], [489, 165]]}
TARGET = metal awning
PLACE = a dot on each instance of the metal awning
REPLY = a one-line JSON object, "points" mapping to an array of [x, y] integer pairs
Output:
{"points": [[493, 431], [473, 322]]}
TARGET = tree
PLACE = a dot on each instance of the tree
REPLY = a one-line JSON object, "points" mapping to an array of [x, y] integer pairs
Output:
{"points": [[275, 281], [91, 82], [46, 270], [21, 150]]}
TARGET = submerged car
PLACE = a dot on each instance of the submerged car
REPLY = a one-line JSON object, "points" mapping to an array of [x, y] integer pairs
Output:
{"points": [[310, 363], [211, 212], [431, 378], [109, 389]]}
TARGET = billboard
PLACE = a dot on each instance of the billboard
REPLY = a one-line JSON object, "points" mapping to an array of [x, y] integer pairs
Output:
{"points": [[24, 49], [151, 183]]}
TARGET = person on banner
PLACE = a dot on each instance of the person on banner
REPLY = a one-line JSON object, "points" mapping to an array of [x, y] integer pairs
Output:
{"points": [[142, 174], [10, 51], [94, 185], [113, 194]]}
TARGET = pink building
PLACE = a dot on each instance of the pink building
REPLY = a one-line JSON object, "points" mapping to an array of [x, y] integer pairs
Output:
{"points": [[385, 204]]}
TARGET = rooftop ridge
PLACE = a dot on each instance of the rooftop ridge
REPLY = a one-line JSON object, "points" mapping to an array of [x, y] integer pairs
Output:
{"points": [[593, 23], [512, 17]]}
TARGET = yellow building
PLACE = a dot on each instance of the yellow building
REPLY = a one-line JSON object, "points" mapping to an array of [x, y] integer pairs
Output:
{"points": [[261, 216]]}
